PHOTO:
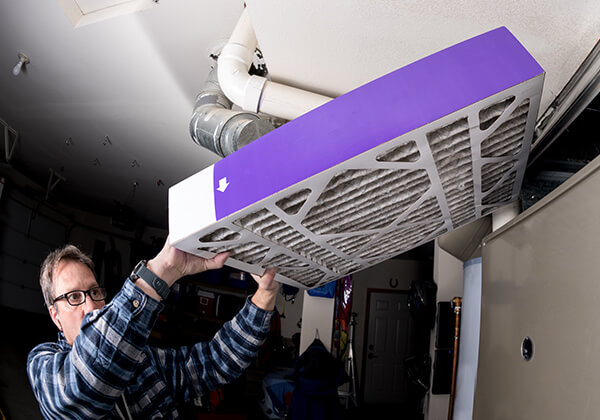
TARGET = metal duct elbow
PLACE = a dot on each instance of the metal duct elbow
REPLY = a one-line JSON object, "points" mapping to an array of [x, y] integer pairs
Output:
{"points": [[215, 126]]}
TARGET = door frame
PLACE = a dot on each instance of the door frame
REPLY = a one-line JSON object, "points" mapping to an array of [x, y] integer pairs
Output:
{"points": [[363, 361]]}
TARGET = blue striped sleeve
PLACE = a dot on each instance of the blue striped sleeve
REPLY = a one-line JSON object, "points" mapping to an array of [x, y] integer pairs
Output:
{"points": [[195, 370]]}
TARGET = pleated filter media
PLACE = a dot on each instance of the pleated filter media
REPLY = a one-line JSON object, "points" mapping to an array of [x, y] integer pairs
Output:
{"points": [[373, 173]]}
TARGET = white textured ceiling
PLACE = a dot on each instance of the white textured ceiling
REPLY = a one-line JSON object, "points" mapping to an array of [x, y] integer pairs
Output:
{"points": [[134, 78], [335, 46]]}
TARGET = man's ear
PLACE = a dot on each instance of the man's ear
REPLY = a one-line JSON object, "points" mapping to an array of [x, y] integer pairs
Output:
{"points": [[54, 315]]}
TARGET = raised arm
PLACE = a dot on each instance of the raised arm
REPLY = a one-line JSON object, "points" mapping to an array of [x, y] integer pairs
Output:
{"points": [[83, 380], [197, 369]]}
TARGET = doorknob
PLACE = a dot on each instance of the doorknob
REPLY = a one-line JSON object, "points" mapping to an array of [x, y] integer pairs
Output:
{"points": [[371, 356]]}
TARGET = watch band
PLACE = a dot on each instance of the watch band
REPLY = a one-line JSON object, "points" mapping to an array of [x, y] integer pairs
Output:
{"points": [[158, 284]]}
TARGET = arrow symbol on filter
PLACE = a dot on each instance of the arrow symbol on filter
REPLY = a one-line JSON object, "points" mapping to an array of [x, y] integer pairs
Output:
{"points": [[223, 184]]}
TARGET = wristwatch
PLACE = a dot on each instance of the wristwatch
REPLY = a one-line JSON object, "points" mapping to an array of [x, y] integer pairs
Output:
{"points": [[158, 284]]}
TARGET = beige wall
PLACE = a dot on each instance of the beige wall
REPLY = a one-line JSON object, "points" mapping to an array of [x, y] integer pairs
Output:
{"points": [[540, 280]]}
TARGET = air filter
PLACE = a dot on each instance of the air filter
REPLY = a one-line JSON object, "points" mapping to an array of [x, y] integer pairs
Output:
{"points": [[373, 173]]}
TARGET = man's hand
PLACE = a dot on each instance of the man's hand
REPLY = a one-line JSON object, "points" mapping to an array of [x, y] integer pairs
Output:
{"points": [[266, 294], [171, 263]]}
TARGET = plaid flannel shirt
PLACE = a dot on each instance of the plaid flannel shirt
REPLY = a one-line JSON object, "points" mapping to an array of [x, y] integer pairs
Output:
{"points": [[110, 357]]}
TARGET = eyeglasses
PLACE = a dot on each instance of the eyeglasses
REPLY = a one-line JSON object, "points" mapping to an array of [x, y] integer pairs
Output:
{"points": [[77, 297]]}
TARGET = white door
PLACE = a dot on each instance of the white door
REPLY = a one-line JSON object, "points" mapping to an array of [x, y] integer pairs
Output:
{"points": [[389, 342]]}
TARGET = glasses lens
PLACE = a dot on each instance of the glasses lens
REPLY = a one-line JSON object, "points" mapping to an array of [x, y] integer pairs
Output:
{"points": [[98, 293], [76, 298]]}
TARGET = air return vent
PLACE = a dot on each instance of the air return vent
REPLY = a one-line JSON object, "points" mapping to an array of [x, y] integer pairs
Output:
{"points": [[374, 173]]}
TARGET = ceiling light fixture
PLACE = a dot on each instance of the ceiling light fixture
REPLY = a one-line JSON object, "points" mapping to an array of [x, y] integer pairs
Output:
{"points": [[23, 59]]}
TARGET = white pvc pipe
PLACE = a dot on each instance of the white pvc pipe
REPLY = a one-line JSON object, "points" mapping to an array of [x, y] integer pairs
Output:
{"points": [[255, 93], [288, 102]]}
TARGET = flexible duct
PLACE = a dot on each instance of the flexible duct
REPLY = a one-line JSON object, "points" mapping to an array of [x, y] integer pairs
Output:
{"points": [[255, 93], [215, 126]]}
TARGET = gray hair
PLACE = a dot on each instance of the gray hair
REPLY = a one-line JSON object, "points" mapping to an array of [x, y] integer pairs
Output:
{"points": [[67, 252]]}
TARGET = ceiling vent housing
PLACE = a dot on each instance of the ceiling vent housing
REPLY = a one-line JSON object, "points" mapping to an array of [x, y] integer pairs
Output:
{"points": [[373, 173]]}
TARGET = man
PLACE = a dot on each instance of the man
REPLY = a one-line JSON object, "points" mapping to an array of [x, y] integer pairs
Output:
{"points": [[102, 367]]}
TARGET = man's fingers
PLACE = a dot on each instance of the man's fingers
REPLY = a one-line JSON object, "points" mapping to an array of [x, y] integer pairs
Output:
{"points": [[217, 261], [268, 275]]}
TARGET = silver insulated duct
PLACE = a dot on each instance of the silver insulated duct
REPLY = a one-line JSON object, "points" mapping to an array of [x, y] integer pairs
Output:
{"points": [[216, 127]]}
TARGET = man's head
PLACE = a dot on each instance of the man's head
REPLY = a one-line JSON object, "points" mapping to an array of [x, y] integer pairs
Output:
{"points": [[67, 270]]}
